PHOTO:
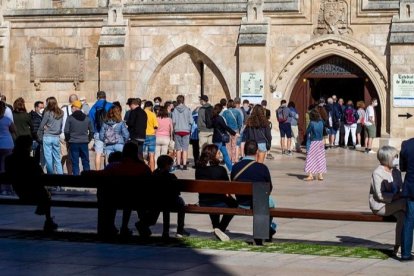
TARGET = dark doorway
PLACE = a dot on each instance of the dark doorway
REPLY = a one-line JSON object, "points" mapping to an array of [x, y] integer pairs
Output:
{"points": [[347, 89], [333, 75]]}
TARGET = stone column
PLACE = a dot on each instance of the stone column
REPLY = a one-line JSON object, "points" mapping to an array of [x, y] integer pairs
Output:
{"points": [[402, 73], [253, 53], [113, 57]]}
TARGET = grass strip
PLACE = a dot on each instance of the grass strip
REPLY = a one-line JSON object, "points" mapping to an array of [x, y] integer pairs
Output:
{"points": [[279, 247]]}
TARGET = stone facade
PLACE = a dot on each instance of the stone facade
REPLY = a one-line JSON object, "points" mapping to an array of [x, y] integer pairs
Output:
{"points": [[135, 48]]}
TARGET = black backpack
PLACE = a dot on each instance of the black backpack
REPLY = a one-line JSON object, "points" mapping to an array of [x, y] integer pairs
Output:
{"points": [[100, 115], [209, 116]]}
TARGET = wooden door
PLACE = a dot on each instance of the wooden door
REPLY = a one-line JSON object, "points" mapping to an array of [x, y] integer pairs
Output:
{"points": [[302, 98]]}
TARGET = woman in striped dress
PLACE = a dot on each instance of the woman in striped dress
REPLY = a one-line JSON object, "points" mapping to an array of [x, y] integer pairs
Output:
{"points": [[315, 158]]}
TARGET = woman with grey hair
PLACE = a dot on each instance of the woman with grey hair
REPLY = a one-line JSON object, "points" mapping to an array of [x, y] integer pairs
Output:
{"points": [[385, 193]]}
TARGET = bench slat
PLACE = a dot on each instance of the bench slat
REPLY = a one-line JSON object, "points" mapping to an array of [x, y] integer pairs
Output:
{"points": [[216, 186]]}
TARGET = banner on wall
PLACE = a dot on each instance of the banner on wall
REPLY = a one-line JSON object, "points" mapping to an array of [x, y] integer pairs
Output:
{"points": [[403, 90], [252, 86]]}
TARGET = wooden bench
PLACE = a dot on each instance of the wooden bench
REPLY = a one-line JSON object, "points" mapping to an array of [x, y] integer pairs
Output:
{"points": [[259, 191]]}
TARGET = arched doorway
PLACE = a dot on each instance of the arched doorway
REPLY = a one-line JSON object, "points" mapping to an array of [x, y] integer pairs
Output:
{"points": [[333, 75]]}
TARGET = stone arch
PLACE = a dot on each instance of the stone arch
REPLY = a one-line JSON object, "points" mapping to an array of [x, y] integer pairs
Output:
{"points": [[306, 55], [198, 47]]}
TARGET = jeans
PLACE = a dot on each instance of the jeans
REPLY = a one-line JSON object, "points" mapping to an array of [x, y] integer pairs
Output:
{"points": [[226, 156], [222, 224], [407, 233], [79, 150], [112, 148], [272, 204], [51, 150]]}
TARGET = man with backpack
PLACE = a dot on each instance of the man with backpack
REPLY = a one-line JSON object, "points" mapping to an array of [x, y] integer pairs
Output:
{"points": [[282, 115], [205, 122], [97, 115], [351, 117]]}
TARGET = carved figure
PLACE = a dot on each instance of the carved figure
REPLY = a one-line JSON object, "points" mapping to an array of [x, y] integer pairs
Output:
{"points": [[333, 18]]}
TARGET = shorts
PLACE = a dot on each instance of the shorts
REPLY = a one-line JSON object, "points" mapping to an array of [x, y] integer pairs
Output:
{"points": [[331, 131], [98, 144], [285, 130], [181, 142], [359, 129], [371, 131], [149, 143], [262, 147]]}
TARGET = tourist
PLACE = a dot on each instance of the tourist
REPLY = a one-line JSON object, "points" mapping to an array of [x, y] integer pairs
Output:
{"points": [[315, 157], [385, 197], [370, 126], [182, 120]]}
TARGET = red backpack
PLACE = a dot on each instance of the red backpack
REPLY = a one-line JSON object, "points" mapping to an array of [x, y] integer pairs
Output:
{"points": [[350, 116]]}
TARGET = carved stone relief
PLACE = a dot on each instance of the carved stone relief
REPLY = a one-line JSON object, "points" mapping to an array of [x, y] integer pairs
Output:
{"points": [[57, 65], [333, 18]]}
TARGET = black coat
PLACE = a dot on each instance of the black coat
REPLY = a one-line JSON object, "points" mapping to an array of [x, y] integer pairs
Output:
{"points": [[220, 127], [137, 124]]}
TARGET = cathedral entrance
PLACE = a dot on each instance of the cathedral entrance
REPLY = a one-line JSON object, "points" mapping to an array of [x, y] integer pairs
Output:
{"points": [[333, 75]]}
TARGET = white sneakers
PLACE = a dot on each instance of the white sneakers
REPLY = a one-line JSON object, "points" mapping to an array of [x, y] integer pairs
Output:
{"points": [[220, 235]]}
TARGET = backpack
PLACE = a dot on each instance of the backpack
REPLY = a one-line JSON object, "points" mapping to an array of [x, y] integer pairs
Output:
{"points": [[280, 115], [110, 136], [100, 115], [350, 116], [209, 116]]}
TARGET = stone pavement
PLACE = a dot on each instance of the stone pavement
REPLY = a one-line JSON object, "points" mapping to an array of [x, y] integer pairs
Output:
{"points": [[345, 187]]}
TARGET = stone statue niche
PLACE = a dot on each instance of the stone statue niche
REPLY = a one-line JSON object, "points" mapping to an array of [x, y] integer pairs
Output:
{"points": [[407, 10], [255, 11]]}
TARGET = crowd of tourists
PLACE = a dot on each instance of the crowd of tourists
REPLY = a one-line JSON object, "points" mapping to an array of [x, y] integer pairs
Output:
{"points": [[153, 138]]}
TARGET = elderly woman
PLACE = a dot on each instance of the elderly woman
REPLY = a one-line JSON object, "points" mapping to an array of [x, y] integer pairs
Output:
{"points": [[385, 193]]}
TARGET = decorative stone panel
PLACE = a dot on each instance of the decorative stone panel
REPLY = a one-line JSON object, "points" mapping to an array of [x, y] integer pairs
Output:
{"points": [[57, 65]]}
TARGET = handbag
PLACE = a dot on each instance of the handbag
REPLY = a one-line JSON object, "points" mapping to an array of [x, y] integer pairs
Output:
{"points": [[171, 145], [225, 137]]}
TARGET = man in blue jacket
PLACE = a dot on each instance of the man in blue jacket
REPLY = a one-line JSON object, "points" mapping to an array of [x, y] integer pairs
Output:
{"points": [[97, 114], [407, 165]]}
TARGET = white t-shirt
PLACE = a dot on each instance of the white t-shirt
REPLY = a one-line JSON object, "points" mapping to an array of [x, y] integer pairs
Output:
{"points": [[369, 113]]}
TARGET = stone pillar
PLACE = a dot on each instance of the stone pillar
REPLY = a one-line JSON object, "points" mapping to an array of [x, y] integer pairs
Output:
{"points": [[402, 73], [113, 56], [253, 53]]}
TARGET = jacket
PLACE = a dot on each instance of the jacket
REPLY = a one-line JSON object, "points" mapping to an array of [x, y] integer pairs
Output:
{"points": [[220, 127], [202, 127], [78, 128], [233, 119], [36, 120], [182, 119], [137, 124], [260, 135], [120, 129], [99, 104], [315, 130], [381, 191], [50, 126], [407, 165]]}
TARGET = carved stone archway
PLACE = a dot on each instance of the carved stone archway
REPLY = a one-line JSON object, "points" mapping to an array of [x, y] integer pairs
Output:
{"points": [[329, 45], [173, 47]]}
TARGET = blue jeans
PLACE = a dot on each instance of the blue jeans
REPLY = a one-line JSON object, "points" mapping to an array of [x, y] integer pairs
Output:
{"points": [[112, 148], [272, 204], [51, 150], [407, 233], [79, 150], [226, 157]]}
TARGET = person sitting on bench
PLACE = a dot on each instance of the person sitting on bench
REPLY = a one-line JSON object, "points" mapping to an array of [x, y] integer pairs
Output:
{"points": [[20, 166], [170, 198], [208, 168], [385, 197], [251, 171]]}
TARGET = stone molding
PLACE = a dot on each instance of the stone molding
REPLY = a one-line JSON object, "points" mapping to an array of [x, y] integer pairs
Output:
{"points": [[402, 26], [322, 47], [51, 65], [367, 5]]}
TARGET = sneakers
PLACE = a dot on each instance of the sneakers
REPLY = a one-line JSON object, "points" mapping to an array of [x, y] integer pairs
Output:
{"points": [[184, 168], [50, 226], [357, 145], [269, 156], [182, 234], [220, 235]]}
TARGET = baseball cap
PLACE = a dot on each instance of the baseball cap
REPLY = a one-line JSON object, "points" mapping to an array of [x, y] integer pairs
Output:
{"points": [[77, 104], [204, 98]]}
